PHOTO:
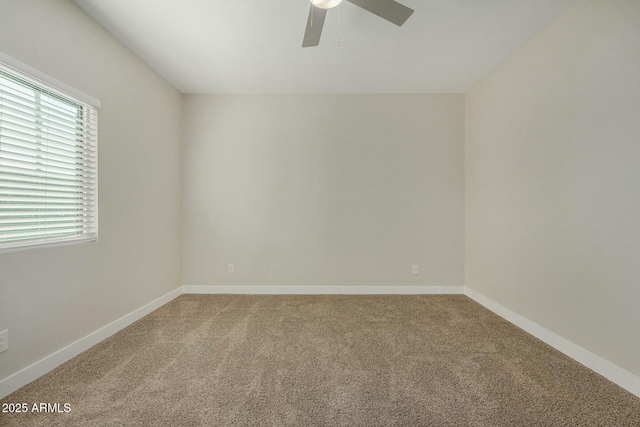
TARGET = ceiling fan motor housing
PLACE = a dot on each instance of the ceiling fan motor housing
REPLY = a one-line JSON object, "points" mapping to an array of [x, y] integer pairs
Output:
{"points": [[325, 4], [389, 10]]}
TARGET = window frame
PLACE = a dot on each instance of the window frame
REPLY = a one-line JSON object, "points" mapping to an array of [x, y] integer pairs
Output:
{"points": [[87, 108]]}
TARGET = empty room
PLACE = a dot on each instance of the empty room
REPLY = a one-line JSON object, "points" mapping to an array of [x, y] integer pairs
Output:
{"points": [[320, 213]]}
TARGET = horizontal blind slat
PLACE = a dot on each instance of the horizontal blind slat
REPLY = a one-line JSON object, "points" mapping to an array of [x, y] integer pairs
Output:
{"points": [[13, 176], [50, 191], [22, 112], [58, 199], [86, 150], [41, 101], [51, 149], [27, 155], [22, 213], [7, 165], [38, 135], [41, 228], [28, 109], [26, 234], [47, 127], [39, 220]]}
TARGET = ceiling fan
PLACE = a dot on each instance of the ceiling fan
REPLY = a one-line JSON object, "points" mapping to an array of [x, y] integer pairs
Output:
{"points": [[390, 10]]}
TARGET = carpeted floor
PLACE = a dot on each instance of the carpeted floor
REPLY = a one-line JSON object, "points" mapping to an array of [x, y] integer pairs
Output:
{"points": [[219, 360]]}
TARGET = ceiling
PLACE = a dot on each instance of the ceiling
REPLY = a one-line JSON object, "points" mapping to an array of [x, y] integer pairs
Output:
{"points": [[254, 46]]}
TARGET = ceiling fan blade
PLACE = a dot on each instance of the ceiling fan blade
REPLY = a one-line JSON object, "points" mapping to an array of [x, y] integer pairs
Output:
{"points": [[390, 10], [315, 21]]}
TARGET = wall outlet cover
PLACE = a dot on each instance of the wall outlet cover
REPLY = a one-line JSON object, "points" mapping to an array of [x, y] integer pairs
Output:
{"points": [[4, 340]]}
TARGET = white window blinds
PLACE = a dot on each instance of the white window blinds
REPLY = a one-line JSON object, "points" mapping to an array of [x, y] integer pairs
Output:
{"points": [[48, 164]]}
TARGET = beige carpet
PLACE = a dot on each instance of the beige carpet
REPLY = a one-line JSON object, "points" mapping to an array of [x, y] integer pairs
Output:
{"points": [[219, 360]]}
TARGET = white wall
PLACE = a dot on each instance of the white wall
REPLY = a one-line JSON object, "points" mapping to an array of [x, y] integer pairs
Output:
{"points": [[52, 297], [553, 180], [323, 189]]}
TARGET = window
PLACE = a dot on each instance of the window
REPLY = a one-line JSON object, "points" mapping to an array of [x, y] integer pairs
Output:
{"points": [[48, 164]]}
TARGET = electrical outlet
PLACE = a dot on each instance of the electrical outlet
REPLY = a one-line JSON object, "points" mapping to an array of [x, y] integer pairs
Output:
{"points": [[4, 340], [231, 269], [415, 270]]}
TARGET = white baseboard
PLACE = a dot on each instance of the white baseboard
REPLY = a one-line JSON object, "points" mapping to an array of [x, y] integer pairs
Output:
{"points": [[49, 363], [613, 373], [324, 290]]}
